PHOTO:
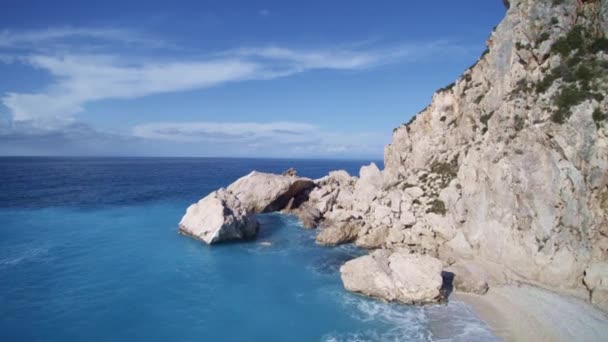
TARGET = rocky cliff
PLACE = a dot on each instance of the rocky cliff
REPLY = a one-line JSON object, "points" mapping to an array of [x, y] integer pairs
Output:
{"points": [[508, 165], [504, 176]]}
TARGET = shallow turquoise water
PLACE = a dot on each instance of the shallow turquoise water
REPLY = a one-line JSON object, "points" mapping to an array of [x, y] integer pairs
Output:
{"points": [[119, 271]]}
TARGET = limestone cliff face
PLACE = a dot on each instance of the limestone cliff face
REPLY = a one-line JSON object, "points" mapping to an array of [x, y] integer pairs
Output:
{"points": [[504, 176], [517, 147]]}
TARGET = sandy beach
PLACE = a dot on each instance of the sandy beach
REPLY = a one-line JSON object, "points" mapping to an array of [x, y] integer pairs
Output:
{"points": [[526, 313]]}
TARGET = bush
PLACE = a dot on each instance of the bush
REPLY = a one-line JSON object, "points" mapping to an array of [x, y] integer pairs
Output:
{"points": [[544, 84], [574, 40], [437, 207], [543, 37], [569, 96], [446, 170], [446, 88], [600, 44], [518, 123], [484, 120], [599, 117]]}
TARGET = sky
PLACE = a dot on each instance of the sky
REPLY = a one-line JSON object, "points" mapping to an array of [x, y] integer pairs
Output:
{"points": [[282, 79]]}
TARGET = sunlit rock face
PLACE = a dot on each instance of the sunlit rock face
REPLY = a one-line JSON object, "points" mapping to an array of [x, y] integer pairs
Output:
{"points": [[520, 139], [508, 166]]}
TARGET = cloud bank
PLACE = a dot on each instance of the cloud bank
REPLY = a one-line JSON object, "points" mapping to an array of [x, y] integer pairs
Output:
{"points": [[81, 74]]}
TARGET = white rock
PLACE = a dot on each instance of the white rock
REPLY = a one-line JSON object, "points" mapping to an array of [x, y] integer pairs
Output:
{"points": [[407, 218], [414, 192], [371, 175], [218, 217], [395, 276], [264, 192]]}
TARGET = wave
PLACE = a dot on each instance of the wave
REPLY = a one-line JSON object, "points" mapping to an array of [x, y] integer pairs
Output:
{"points": [[19, 255], [455, 322]]}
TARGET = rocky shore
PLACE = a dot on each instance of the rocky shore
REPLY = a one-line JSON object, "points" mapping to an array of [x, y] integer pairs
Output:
{"points": [[501, 180]]}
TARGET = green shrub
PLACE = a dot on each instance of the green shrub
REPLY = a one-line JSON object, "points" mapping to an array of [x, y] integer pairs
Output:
{"points": [[543, 37], [446, 170], [518, 123], [554, 21], [599, 117], [600, 44], [446, 88], [544, 84], [437, 207], [574, 40], [570, 95], [484, 120], [583, 74]]}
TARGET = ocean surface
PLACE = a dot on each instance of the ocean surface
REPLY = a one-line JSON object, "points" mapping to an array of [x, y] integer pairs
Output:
{"points": [[89, 251]]}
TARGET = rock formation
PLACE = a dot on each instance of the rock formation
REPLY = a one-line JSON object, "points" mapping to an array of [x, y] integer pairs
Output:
{"points": [[508, 166], [228, 214], [220, 216], [395, 276]]}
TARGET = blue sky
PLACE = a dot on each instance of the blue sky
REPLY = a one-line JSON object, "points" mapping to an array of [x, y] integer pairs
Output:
{"points": [[226, 78]]}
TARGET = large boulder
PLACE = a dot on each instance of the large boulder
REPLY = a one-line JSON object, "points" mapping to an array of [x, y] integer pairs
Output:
{"points": [[265, 192], [596, 280], [395, 276], [469, 277], [219, 216], [337, 233]]}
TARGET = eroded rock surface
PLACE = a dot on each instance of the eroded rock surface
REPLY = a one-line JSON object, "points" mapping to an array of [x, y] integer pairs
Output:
{"points": [[395, 276], [507, 166], [228, 214], [220, 216]]}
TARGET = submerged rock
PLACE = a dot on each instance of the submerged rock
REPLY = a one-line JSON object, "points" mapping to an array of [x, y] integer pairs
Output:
{"points": [[395, 276], [220, 216]]}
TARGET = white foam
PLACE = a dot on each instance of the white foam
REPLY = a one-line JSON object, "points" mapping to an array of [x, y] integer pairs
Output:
{"points": [[20, 254]]}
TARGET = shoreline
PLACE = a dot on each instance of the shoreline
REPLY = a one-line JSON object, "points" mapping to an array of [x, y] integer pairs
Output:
{"points": [[528, 313]]}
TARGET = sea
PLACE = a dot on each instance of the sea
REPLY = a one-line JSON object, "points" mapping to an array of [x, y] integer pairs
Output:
{"points": [[89, 251]]}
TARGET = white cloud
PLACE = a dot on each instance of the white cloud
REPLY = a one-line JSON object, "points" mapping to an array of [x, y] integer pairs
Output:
{"points": [[80, 76], [40, 39], [290, 138], [80, 79]]}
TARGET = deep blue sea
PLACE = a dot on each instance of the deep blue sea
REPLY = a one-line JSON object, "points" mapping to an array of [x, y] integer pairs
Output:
{"points": [[89, 251]]}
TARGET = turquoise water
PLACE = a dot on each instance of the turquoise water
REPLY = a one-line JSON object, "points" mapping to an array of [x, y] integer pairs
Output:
{"points": [[106, 264]]}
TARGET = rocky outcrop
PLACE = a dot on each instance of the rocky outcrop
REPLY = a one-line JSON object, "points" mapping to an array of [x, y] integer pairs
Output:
{"points": [[469, 277], [265, 192], [596, 280], [508, 166], [395, 276], [220, 216], [518, 145], [228, 214]]}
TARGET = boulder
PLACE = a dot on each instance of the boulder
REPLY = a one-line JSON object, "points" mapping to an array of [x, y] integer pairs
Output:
{"points": [[219, 216], [337, 233], [596, 280], [265, 192], [469, 277], [395, 276], [370, 174], [375, 238], [308, 214]]}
